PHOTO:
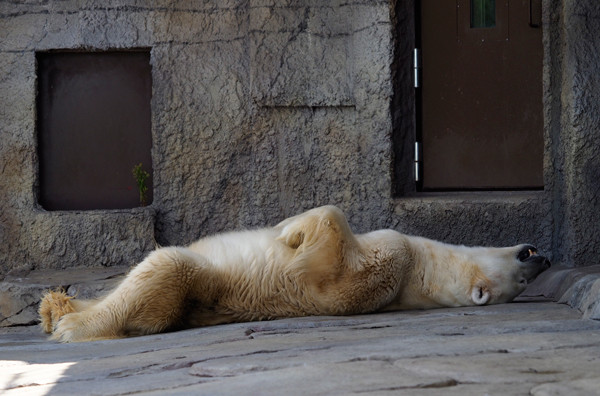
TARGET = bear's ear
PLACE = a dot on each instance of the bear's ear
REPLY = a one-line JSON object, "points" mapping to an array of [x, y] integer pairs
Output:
{"points": [[480, 295]]}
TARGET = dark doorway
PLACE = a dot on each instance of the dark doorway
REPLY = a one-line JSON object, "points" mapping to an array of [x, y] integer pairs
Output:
{"points": [[93, 128], [481, 98]]}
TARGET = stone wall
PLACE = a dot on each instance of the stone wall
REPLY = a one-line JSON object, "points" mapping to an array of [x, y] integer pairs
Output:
{"points": [[264, 108], [574, 129]]}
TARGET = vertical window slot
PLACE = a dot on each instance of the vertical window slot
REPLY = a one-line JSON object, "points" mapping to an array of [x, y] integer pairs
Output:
{"points": [[483, 13]]}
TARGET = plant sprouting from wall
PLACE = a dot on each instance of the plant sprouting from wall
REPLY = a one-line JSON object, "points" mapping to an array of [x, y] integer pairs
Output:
{"points": [[141, 176]]}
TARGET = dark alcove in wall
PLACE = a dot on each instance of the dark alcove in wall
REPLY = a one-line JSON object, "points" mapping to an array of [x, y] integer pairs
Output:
{"points": [[93, 123]]}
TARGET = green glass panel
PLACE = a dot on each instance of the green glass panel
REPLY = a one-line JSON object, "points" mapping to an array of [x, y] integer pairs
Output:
{"points": [[483, 13]]}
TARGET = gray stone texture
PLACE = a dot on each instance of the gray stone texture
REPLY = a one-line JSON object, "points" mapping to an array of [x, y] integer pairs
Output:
{"points": [[573, 121], [577, 287], [263, 108], [22, 289], [532, 347]]}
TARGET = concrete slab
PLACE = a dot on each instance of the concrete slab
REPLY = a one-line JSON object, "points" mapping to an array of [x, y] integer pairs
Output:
{"points": [[533, 347]]}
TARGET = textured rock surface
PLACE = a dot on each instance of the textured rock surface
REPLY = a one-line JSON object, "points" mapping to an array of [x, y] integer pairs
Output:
{"points": [[265, 108], [260, 109], [577, 287], [576, 133], [533, 347], [21, 290]]}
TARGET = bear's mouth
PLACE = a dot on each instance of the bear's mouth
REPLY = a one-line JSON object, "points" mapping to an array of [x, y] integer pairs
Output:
{"points": [[533, 263], [527, 252]]}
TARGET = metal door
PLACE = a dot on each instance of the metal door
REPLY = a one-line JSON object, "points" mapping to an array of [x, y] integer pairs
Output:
{"points": [[481, 99]]}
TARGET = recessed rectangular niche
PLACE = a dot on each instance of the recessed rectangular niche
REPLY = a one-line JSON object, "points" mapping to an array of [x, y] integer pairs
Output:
{"points": [[93, 127]]}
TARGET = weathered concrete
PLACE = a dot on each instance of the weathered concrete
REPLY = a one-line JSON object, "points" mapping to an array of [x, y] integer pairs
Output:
{"points": [[578, 287], [573, 126], [530, 347], [262, 109]]}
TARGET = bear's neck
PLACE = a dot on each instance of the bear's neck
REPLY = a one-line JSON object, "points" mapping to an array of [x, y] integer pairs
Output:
{"points": [[437, 275]]}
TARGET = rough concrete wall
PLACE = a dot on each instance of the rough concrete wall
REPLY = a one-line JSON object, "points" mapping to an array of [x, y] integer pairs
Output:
{"points": [[577, 137], [260, 109], [29, 236], [502, 219], [287, 108], [265, 108]]}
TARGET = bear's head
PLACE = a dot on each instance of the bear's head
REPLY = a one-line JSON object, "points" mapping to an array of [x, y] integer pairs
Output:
{"points": [[505, 273]]}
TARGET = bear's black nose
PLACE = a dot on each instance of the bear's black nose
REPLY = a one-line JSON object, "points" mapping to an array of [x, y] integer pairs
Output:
{"points": [[547, 264]]}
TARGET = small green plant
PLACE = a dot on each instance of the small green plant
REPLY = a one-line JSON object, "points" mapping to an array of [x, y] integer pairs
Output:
{"points": [[140, 178]]}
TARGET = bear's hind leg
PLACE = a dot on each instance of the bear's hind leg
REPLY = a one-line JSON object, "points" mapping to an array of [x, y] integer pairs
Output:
{"points": [[313, 226], [151, 299], [322, 238], [56, 304]]}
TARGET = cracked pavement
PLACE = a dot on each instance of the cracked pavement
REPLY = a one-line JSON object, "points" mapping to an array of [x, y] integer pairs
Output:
{"points": [[533, 346]]}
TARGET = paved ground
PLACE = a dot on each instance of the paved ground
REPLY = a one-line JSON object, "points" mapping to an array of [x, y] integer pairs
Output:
{"points": [[533, 347]]}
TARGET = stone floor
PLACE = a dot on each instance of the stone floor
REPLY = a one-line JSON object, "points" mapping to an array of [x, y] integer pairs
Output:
{"points": [[533, 346]]}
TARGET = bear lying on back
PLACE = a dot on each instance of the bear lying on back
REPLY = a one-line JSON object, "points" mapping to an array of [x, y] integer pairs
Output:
{"points": [[310, 264]]}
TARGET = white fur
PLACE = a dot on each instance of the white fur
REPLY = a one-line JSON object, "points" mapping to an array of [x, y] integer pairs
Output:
{"points": [[310, 264]]}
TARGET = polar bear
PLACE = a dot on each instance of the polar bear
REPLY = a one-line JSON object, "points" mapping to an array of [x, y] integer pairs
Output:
{"points": [[310, 264]]}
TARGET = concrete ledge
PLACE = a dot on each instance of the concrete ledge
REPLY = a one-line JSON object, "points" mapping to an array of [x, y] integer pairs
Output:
{"points": [[577, 287], [21, 290]]}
